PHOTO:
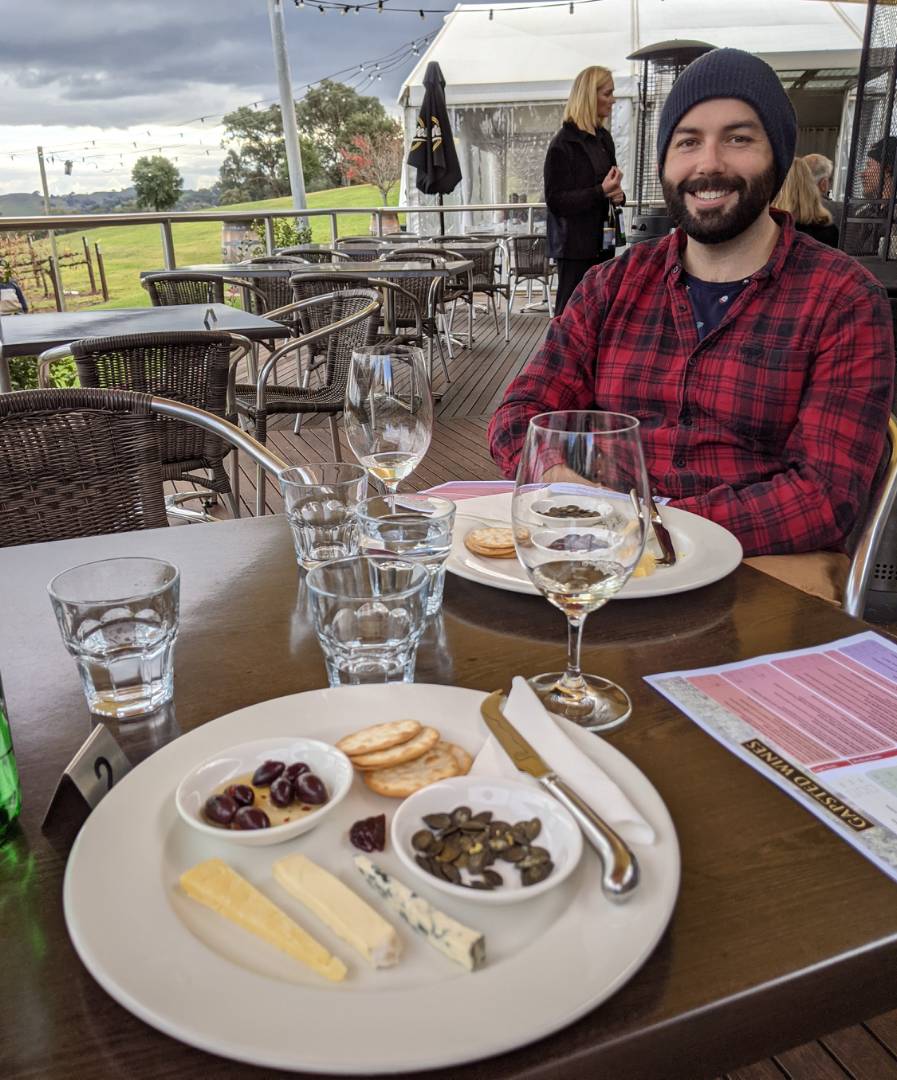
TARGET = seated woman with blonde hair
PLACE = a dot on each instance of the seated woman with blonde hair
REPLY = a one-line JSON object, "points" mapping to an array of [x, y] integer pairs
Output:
{"points": [[803, 200]]}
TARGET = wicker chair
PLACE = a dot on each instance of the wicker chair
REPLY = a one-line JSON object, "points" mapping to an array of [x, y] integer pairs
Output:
{"points": [[84, 462], [529, 262], [350, 318], [407, 319], [324, 255], [429, 295], [196, 368], [267, 294], [360, 248], [177, 287]]}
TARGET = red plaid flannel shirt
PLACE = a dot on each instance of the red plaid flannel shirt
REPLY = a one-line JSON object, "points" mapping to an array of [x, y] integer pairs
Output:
{"points": [[773, 425]]}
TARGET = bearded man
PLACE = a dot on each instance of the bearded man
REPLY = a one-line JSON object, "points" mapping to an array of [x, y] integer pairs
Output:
{"points": [[759, 362]]}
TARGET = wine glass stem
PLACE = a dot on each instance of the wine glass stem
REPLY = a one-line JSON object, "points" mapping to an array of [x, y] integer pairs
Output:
{"points": [[572, 680], [392, 488]]}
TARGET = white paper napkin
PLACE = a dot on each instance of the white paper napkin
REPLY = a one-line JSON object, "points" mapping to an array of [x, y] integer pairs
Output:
{"points": [[555, 740]]}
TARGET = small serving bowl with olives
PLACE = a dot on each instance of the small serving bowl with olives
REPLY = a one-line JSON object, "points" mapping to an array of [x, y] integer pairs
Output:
{"points": [[489, 840], [266, 791]]}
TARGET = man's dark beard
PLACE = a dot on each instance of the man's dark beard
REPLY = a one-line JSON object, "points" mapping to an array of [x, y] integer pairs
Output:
{"points": [[718, 226]]}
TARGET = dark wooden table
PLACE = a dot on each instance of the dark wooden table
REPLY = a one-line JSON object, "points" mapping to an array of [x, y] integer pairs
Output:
{"points": [[28, 335], [781, 932]]}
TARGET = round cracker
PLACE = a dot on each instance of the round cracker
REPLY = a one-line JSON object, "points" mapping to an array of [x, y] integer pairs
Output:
{"points": [[403, 780], [462, 757], [416, 747], [378, 737], [490, 538]]}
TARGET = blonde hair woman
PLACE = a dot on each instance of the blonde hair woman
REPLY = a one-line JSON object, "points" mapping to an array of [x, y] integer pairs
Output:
{"points": [[802, 199], [581, 181]]}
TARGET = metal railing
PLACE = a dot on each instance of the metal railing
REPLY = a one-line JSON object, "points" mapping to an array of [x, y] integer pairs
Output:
{"points": [[165, 220]]}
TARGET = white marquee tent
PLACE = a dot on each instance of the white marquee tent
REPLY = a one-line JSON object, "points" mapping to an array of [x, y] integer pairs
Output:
{"points": [[508, 73]]}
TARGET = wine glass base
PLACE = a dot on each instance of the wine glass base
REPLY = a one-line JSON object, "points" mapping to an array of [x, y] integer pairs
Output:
{"points": [[603, 707]]}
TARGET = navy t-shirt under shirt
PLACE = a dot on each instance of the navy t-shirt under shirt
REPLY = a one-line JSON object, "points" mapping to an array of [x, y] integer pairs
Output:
{"points": [[710, 300]]}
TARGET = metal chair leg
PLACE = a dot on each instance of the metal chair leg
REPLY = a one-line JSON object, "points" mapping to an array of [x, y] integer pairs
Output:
{"points": [[512, 285], [448, 377], [260, 478], [234, 497], [494, 311], [334, 437]]}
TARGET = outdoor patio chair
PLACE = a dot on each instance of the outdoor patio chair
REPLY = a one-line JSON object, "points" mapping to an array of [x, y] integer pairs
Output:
{"points": [[180, 287], [197, 368], [359, 248], [325, 255], [879, 527], [429, 295], [350, 318], [485, 279], [85, 461], [405, 325], [267, 294], [529, 263]]}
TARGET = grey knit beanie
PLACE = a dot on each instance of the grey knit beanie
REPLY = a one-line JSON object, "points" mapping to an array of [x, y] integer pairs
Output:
{"points": [[732, 73]]}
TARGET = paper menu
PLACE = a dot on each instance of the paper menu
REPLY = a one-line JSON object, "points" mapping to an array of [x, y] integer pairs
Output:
{"points": [[819, 722]]}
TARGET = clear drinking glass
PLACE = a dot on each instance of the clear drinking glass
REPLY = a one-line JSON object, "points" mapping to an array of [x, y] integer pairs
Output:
{"points": [[119, 619], [320, 500], [369, 615], [414, 527], [389, 411], [580, 526]]}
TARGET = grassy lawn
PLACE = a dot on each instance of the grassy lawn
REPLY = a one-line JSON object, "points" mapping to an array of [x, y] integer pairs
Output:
{"points": [[128, 249]]}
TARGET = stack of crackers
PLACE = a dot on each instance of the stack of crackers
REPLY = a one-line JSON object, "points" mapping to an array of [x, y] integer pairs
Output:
{"points": [[491, 542], [402, 756]]}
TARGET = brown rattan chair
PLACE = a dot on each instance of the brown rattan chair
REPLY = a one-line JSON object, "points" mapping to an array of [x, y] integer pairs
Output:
{"points": [[197, 368], [529, 262], [181, 287], [83, 462], [406, 318], [350, 318], [323, 255], [429, 295]]}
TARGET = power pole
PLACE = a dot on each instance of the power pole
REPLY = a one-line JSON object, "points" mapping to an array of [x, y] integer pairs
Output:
{"points": [[54, 256], [287, 105]]}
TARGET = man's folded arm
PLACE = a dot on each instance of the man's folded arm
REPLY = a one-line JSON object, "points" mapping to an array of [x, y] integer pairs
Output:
{"points": [[560, 376], [831, 456]]}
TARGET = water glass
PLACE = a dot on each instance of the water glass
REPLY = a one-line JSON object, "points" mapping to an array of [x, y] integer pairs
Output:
{"points": [[119, 619], [414, 527], [320, 501], [369, 615]]}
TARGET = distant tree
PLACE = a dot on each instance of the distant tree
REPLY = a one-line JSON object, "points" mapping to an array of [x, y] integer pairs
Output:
{"points": [[331, 114], [157, 182], [255, 166], [375, 159]]}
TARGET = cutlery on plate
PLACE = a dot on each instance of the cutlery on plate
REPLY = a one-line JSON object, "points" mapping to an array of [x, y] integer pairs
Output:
{"points": [[660, 531], [620, 874]]}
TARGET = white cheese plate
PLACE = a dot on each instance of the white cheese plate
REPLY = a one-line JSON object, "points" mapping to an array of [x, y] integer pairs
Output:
{"points": [[195, 976], [706, 552]]}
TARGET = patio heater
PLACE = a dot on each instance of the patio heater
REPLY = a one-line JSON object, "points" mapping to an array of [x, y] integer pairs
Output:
{"points": [[661, 64], [869, 193]]}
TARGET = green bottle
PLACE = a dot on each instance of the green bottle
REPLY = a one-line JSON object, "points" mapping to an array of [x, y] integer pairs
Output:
{"points": [[10, 791]]}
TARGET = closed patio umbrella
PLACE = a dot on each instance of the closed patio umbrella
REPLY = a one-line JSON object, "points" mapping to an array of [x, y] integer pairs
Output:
{"points": [[433, 151]]}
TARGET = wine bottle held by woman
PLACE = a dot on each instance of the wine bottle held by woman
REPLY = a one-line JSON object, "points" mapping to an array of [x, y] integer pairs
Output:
{"points": [[583, 185]]}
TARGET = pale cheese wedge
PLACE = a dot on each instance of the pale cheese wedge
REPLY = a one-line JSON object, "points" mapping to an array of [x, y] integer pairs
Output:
{"points": [[222, 889], [338, 907]]}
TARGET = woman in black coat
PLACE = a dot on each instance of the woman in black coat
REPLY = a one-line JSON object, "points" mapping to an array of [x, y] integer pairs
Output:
{"points": [[581, 179]]}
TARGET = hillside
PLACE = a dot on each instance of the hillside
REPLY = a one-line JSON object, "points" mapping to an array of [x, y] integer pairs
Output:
{"points": [[27, 204]]}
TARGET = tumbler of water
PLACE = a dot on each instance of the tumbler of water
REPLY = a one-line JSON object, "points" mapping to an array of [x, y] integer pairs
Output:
{"points": [[119, 619], [320, 500]]}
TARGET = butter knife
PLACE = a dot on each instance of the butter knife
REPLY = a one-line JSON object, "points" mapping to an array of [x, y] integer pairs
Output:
{"points": [[663, 536], [620, 871]]}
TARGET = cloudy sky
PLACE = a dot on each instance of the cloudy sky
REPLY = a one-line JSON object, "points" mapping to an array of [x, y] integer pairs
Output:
{"points": [[89, 79]]}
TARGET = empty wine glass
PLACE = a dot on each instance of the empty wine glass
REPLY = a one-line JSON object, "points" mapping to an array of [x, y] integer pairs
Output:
{"points": [[580, 526], [389, 411]]}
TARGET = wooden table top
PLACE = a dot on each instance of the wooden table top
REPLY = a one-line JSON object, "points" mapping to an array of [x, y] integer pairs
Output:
{"points": [[25, 335], [781, 931]]}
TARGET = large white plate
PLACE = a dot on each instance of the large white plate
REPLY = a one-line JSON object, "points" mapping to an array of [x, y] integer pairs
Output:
{"points": [[188, 972], [706, 552]]}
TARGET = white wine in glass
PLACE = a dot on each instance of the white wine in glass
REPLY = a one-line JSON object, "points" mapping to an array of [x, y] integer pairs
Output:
{"points": [[580, 526], [389, 411]]}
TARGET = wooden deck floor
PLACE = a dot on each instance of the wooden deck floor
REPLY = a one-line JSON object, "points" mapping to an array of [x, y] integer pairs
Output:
{"points": [[458, 452]]}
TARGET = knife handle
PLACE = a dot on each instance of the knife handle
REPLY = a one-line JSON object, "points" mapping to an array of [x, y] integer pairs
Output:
{"points": [[620, 871]]}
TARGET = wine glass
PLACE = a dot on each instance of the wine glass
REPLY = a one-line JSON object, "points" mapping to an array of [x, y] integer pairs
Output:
{"points": [[389, 411], [580, 526]]}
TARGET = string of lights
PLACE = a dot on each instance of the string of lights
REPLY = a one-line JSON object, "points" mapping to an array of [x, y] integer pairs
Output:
{"points": [[381, 6]]}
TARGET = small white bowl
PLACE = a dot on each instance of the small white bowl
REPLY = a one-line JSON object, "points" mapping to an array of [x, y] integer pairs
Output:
{"points": [[510, 801], [330, 764]]}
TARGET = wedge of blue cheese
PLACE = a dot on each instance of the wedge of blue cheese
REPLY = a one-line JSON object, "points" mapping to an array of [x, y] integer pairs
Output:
{"points": [[222, 889], [458, 942], [338, 907]]}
